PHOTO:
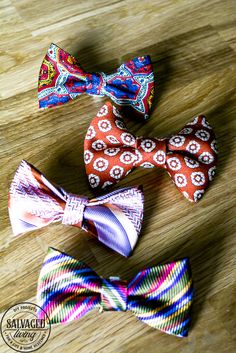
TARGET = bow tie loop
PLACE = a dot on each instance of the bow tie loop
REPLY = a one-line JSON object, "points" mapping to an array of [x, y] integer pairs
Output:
{"points": [[114, 294], [74, 210], [153, 152], [94, 84]]}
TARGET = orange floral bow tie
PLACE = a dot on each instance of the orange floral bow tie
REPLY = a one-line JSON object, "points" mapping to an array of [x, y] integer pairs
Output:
{"points": [[111, 152]]}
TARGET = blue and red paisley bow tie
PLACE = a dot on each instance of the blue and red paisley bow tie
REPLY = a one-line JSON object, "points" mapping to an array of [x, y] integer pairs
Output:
{"points": [[62, 78]]}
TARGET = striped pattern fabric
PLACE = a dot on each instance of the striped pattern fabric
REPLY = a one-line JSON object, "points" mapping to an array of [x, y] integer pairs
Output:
{"points": [[114, 294], [167, 294], [160, 296], [115, 219]]}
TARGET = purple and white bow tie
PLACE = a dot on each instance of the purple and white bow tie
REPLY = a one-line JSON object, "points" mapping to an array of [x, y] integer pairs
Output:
{"points": [[115, 219]]}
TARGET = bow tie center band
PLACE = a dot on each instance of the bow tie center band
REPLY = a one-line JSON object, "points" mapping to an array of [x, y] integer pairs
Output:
{"points": [[74, 210], [115, 219], [111, 152], [62, 79], [160, 296]]}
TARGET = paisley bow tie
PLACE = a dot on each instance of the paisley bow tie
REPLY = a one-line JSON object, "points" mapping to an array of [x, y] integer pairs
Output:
{"points": [[111, 152], [62, 78], [115, 219], [160, 296]]}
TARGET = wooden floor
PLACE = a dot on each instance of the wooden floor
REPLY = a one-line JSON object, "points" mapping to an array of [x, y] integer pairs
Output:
{"points": [[193, 46]]}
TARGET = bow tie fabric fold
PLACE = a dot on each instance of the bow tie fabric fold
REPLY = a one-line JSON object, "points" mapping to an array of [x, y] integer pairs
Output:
{"points": [[160, 296], [115, 219], [111, 152], [62, 78]]}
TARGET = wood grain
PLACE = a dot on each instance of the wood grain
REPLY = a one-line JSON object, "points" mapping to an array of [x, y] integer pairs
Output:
{"points": [[193, 47]]}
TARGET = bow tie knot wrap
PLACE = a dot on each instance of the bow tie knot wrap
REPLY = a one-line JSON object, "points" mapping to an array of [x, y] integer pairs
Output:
{"points": [[62, 79], [115, 219], [160, 296], [111, 152]]}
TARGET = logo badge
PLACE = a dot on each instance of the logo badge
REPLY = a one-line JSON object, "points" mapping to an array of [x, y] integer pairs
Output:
{"points": [[23, 330]]}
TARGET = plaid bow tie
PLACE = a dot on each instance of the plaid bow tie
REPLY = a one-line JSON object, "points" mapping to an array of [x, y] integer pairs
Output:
{"points": [[111, 152], [160, 296], [61, 79], [115, 219]]}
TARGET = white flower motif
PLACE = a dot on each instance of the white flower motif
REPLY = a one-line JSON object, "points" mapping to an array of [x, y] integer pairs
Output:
{"points": [[198, 195], [147, 165], [205, 123], [127, 157], [100, 164], [112, 139], [191, 163], [107, 183], [88, 156], [177, 140], [159, 157], [203, 135], [211, 173], [214, 146], [120, 124], [180, 180], [99, 145], [116, 172], [198, 178], [93, 180], [206, 158], [194, 122], [104, 125], [91, 133], [116, 112], [127, 138], [103, 111], [174, 163], [193, 146], [148, 145], [186, 131], [111, 151]]}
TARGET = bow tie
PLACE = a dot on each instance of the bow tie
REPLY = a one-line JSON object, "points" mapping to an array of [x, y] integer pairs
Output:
{"points": [[62, 78], [160, 296], [111, 152], [115, 219]]}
